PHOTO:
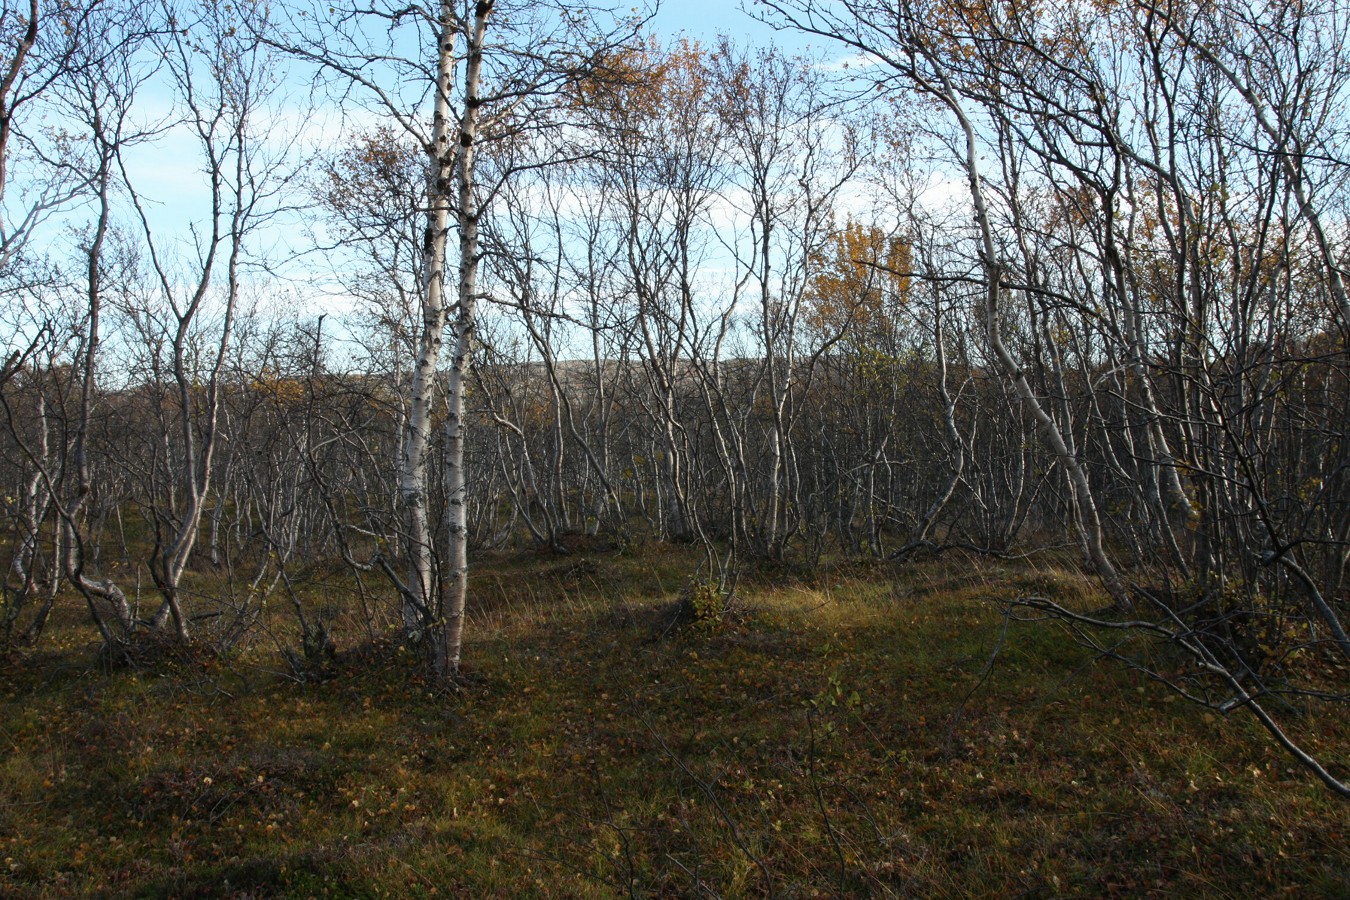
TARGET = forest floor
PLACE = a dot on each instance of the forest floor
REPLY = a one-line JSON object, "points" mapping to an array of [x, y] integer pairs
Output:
{"points": [[841, 733]]}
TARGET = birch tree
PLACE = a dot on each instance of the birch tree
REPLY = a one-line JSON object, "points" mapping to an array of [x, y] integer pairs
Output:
{"points": [[478, 73]]}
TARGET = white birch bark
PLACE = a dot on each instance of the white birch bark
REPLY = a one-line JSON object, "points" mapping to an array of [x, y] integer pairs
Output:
{"points": [[1087, 519], [451, 623], [419, 597]]}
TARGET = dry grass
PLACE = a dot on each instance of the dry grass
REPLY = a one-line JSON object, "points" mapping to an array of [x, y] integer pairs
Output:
{"points": [[810, 746]]}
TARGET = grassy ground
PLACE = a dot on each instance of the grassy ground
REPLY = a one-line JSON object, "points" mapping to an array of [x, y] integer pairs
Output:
{"points": [[832, 739]]}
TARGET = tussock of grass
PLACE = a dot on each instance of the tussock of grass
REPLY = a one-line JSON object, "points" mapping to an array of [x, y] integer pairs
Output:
{"points": [[827, 737]]}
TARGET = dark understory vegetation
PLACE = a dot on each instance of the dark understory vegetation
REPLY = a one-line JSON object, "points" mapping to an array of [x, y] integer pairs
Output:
{"points": [[841, 731]]}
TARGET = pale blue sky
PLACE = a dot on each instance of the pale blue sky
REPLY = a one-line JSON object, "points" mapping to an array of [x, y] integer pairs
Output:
{"points": [[704, 20]]}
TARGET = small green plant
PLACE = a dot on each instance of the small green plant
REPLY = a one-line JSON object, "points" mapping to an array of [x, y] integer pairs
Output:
{"points": [[703, 603], [832, 696], [1271, 634]]}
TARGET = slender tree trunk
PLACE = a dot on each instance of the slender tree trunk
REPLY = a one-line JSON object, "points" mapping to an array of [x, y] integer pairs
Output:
{"points": [[451, 624], [420, 594], [1087, 519], [8, 79]]}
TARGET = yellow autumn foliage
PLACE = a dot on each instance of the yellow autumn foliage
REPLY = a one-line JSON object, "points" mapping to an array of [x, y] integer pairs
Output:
{"points": [[862, 278]]}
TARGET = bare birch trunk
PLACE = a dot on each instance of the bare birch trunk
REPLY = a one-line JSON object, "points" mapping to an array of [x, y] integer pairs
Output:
{"points": [[451, 622], [1087, 518], [420, 597], [10, 77], [93, 589]]}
